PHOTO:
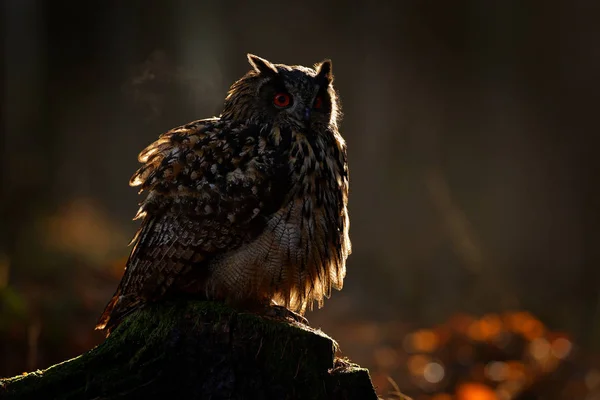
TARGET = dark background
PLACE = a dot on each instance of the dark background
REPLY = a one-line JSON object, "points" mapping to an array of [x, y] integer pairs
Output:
{"points": [[470, 128]]}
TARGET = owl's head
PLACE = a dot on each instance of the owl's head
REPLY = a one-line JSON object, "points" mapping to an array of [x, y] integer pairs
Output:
{"points": [[295, 96]]}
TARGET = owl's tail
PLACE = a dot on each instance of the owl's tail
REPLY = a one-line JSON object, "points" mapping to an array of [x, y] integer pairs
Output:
{"points": [[116, 310]]}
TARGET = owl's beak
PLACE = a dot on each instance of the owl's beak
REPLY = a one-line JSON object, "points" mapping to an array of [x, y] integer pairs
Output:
{"points": [[306, 114]]}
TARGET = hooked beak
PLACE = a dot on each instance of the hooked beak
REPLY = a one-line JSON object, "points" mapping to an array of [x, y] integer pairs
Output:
{"points": [[306, 114]]}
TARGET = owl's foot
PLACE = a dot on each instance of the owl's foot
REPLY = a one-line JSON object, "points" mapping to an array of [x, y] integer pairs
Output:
{"points": [[281, 312]]}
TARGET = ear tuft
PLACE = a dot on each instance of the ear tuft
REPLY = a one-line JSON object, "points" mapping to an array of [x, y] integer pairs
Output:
{"points": [[324, 70], [261, 65]]}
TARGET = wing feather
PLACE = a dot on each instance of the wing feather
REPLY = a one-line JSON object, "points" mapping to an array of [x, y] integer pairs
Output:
{"points": [[208, 189]]}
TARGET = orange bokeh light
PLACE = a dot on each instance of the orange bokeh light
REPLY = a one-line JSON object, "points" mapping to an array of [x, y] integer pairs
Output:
{"points": [[424, 341], [475, 391]]}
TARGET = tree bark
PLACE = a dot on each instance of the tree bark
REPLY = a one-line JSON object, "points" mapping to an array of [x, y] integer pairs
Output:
{"points": [[200, 350]]}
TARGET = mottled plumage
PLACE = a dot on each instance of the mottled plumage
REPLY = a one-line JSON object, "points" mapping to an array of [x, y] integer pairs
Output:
{"points": [[248, 207]]}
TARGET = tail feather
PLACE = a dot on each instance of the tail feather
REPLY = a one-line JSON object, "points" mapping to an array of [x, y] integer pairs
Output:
{"points": [[116, 310]]}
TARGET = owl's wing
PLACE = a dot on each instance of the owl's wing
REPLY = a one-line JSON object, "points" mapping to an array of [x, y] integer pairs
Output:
{"points": [[210, 186]]}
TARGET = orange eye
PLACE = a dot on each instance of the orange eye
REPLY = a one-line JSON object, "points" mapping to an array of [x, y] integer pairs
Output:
{"points": [[282, 100], [318, 103]]}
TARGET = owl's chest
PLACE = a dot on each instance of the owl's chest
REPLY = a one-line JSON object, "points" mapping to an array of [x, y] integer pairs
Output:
{"points": [[308, 179], [301, 236], [313, 170], [314, 201]]}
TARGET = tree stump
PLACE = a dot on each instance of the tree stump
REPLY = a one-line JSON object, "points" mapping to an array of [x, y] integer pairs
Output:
{"points": [[200, 350]]}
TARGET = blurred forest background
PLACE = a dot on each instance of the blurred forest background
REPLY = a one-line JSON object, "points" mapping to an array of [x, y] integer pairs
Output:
{"points": [[474, 199]]}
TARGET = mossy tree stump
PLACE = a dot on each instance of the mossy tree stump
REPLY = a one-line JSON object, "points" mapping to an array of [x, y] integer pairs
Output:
{"points": [[200, 350]]}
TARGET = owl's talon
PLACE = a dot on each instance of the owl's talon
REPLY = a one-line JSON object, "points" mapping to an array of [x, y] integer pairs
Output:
{"points": [[281, 312]]}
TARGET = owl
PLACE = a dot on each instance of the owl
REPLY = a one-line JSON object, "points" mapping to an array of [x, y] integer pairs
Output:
{"points": [[249, 207]]}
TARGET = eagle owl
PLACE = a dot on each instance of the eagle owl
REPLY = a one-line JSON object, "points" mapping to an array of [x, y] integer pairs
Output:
{"points": [[248, 207]]}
